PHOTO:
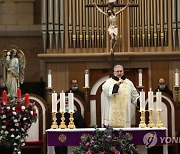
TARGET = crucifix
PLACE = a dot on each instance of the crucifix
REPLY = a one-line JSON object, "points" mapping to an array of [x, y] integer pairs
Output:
{"points": [[111, 13]]}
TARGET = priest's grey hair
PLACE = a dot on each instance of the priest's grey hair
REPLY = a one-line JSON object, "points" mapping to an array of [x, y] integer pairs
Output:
{"points": [[118, 66]]}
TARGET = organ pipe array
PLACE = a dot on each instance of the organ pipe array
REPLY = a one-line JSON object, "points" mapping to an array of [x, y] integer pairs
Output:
{"points": [[68, 24]]}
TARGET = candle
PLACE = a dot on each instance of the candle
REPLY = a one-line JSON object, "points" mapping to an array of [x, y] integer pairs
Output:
{"points": [[140, 77], [71, 102], [158, 100], [62, 102], [54, 102], [18, 93], [4, 96], [49, 79], [86, 78], [176, 78], [27, 98], [142, 100], [150, 100]]}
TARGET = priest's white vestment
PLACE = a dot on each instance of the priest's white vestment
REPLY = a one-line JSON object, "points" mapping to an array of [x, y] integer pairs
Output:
{"points": [[117, 106]]}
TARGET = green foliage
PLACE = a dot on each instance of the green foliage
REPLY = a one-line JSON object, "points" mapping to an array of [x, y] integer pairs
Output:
{"points": [[16, 117], [109, 141]]}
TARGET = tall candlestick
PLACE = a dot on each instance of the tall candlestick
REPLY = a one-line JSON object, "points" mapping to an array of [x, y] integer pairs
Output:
{"points": [[71, 102], [86, 78], [18, 93], [62, 102], [54, 102], [176, 78], [27, 98], [158, 100], [150, 100], [4, 96], [140, 77], [142, 100], [49, 78]]}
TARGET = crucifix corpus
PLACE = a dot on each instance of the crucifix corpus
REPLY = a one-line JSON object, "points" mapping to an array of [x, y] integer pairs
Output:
{"points": [[111, 13]]}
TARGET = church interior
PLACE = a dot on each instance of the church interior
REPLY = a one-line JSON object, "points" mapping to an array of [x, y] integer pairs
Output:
{"points": [[70, 37]]}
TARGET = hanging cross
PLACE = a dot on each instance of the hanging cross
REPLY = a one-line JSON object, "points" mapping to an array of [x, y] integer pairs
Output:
{"points": [[111, 14]]}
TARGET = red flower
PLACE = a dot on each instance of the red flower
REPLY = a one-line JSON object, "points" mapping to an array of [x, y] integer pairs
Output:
{"points": [[34, 112], [7, 123], [18, 109], [7, 102], [11, 120]]}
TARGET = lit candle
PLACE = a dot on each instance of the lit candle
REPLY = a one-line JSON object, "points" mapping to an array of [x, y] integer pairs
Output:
{"points": [[158, 100], [150, 100], [54, 102], [142, 100], [176, 78], [18, 93], [4, 96], [27, 98], [140, 77], [86, 78], [49, 79], [71, 102], [62, 102]]}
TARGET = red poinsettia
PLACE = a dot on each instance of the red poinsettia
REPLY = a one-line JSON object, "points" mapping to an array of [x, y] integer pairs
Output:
{"points": [[16, 117]]}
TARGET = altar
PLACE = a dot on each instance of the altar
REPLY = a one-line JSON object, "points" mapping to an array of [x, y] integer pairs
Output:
{"points": [[72, 137]]}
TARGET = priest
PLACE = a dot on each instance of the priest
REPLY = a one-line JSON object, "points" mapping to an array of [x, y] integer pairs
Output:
{"points": [[119, 94]]}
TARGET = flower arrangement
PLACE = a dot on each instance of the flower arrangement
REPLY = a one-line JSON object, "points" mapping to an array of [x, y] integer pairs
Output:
{"points": [[16, 117], [108, 141]]}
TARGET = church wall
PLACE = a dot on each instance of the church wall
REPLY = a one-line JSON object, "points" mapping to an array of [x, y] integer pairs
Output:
{"points": [[31, 46], [60, 76], [24, 31], [70, 70], [63, 71], [159, 69]]}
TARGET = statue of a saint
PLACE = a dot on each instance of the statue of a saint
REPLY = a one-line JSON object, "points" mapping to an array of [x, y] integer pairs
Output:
{"points": [[13, 61], [111, 13]]}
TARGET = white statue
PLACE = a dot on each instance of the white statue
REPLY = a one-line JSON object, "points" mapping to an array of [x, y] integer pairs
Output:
{"points": [[13, 61]]}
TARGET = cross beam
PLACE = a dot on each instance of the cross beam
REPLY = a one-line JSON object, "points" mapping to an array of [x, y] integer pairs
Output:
{"points": [[113, 5]]}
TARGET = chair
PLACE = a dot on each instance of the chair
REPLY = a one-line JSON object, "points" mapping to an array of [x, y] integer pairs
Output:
{"points": [[36, 140], [168, 119], [167, 114]]}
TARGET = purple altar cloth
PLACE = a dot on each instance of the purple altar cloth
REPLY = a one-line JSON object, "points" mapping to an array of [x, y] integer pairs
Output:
{"points": [[72, 137]]}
